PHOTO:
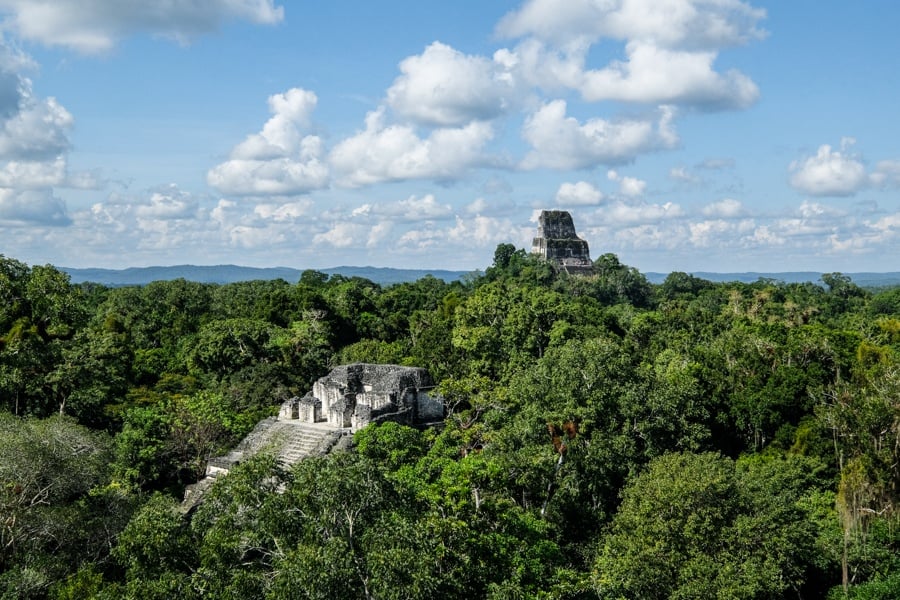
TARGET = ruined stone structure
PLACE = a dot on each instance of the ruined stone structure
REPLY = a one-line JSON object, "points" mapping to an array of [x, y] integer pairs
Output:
{"points": [[355, 395], [347, 399], [557, 242], [288, 441]]}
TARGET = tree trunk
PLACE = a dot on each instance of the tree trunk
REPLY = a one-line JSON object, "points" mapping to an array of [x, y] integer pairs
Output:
{"points": [[845, 575]]}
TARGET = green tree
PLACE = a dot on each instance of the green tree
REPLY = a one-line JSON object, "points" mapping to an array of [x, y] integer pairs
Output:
{"points": [[390, 445], [431, 339], [692, 526], [93, 372], [680, 285], [351, 303], [144, 456], [265, 300], [569, 420], [864, 421], [158, 553], [55, 512], [503, 254], [41, 314], [885, 303], [157, 539], [225, 347], [502, 326], [617, 283], [306, 347], [843, 296]]}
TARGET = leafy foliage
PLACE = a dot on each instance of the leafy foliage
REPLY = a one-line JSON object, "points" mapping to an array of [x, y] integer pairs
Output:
{"points": [[603, 436]]}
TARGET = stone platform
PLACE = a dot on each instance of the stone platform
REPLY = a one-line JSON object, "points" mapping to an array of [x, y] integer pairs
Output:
{"points": [[289, 441]]}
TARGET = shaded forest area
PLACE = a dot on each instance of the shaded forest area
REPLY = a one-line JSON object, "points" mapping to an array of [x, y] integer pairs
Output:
{"points": [[605, 438]]}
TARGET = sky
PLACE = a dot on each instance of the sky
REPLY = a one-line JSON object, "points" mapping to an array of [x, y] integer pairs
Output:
{"points": [[682, 135]]}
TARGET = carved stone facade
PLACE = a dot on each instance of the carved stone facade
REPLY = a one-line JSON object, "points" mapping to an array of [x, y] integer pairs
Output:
{"points": [[557, 242], [352, 396], [347, 399]]}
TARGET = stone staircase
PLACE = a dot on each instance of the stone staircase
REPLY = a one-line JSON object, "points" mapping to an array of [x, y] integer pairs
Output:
{"points": [[295, 441], [290, 441]]}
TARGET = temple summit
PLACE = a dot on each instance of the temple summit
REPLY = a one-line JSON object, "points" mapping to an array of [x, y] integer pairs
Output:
{"points": [[557, 243]]}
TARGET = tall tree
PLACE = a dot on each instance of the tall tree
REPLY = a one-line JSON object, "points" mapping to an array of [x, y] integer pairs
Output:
{"points": [[692, 526]]}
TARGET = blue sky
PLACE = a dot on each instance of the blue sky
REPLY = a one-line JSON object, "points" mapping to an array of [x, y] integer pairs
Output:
{"points": [[716, 135]]}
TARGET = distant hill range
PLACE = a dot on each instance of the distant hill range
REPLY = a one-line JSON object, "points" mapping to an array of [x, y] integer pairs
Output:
{"points": [[387, 276], [232, 273], [865, 280]]}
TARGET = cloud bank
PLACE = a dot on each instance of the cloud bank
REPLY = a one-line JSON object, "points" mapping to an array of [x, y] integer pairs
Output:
{"points": [[94, 26]]}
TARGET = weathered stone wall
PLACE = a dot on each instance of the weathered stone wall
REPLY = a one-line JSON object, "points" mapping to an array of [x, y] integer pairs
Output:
{"points": [[558, 243], [309, 409], [556, 225], [429, 408], [288, 409], [562, 249], [356, 394]]}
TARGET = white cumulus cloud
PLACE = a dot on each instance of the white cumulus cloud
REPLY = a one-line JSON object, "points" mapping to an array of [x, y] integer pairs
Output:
{"points": [[670, 46], [343, 235], [167, 203], [580, 193], [463, 235], [887, 173], [395, 152], [23, 174], [829, 172], [707, 233], [660, 75], [410, 210], [414, 208], [622, 213], [38, 130], [34, 144], [561, 142], [628, 186], [727, 208], [287, 212], [279, 160], [482, 231], [534, 63], [444, 87], [32, 207], [92, 26], [683, 174], [668, 23], [165, 224]]}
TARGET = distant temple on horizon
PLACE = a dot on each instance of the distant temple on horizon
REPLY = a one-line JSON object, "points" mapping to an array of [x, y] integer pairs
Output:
{"points": [[557, 243]]}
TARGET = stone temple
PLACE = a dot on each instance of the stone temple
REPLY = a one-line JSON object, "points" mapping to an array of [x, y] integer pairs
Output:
{"points": [[557, 243], [347, 399], [355, 395]]}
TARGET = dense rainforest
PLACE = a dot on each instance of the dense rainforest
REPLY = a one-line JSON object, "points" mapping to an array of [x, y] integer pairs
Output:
{"points": [[604, 438]]}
